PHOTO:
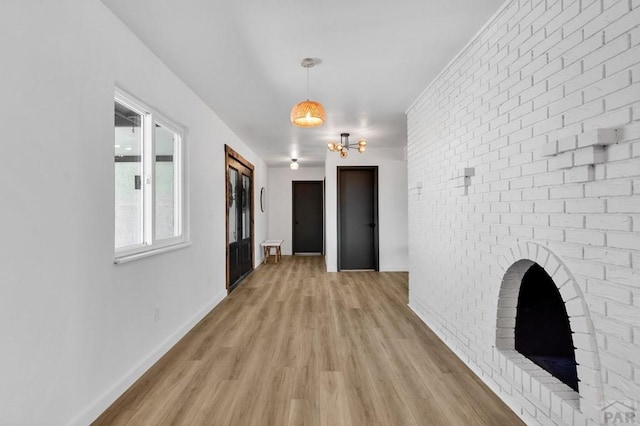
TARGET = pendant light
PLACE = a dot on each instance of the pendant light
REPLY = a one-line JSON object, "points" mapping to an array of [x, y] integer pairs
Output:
{"points": [[308, 113], [294, 164]]}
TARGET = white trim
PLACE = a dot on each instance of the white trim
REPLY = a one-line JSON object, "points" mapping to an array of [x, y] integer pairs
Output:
{"points": [[394, 268], [96, 408], [151, 252], [148, 184]]}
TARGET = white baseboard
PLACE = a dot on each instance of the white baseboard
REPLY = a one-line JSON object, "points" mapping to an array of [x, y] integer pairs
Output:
{"points": [[394, 268], [94, 410]]}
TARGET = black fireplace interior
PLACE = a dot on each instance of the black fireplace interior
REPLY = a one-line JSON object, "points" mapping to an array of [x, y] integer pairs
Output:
{"points": [[542, 330]]}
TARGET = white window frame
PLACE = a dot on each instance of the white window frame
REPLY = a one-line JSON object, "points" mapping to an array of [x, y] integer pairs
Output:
{"points": [[150, 245]]}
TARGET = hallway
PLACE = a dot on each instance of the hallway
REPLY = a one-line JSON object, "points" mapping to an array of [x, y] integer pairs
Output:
{"points": [[295, 345]]}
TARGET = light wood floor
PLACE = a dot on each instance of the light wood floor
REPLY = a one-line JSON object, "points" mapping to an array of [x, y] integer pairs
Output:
{"points": [[295, 345]]}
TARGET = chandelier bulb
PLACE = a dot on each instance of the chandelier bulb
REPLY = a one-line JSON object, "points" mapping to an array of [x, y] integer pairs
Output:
{"points": [[343, 146]]}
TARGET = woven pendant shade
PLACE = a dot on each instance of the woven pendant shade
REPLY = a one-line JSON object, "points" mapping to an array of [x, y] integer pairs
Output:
{"points": [[308, 114]]}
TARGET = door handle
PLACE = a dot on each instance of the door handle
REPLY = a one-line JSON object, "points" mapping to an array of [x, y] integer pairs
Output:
{"points": [[372, 225], [296, 222]]}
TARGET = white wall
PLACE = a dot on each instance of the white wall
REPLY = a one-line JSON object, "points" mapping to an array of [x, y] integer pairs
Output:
{"points": [[279, 204], [392, 205], [534, 85], [76, 329]]}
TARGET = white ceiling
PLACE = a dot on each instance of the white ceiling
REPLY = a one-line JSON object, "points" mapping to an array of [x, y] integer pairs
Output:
{"points": [[242, 57]]}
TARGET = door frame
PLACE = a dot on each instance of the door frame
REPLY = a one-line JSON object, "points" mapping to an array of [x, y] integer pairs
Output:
{"points": [[376, 232], [293, 213], [232, 158]]}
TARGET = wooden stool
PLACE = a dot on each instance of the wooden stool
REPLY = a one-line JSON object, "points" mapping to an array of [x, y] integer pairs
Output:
{"points": [[266, 249]]}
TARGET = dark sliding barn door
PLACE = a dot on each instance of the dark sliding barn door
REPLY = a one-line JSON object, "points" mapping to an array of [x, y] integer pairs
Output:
{"points": [[308, 215], [357, 218]]}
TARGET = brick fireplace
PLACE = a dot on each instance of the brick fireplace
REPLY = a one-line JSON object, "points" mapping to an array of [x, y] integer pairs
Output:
{"points": [[543, 332], [530, 374], [525, 153]]}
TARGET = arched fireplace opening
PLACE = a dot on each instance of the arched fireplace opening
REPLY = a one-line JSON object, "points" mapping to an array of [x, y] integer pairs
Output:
{"points": [[542, 331]]}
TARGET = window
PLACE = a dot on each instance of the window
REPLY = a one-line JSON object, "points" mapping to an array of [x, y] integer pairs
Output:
{"points": [[149, 206]]}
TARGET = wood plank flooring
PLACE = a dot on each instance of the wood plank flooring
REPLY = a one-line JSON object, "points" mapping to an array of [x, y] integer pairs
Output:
{"points": [[295, 345]]}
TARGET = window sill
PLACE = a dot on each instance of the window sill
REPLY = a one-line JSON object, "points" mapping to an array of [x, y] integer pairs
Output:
{"points": [[152, 252]]}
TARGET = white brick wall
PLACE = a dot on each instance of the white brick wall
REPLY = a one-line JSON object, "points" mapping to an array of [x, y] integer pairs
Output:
{"points": [[544, 105]]}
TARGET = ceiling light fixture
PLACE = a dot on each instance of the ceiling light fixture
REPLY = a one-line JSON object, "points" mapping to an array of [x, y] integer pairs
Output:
{"points": [[308, 113], [294, 164], [343, 146]]}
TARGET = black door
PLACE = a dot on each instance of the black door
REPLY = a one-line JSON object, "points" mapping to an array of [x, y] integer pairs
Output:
{"points": [[239, 218], [357, 218], [307, 216]]}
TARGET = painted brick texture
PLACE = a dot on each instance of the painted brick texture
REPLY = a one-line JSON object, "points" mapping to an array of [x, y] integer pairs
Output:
{"points": [[544, 106]]}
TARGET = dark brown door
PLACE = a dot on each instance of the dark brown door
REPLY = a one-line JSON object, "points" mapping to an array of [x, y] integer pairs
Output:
{"points": [[239, 181], [357, 218], [308, 212]]}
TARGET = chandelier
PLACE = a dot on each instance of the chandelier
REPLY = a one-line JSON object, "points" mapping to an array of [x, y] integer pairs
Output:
{"points": [[343, 146], [308, 113]]}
